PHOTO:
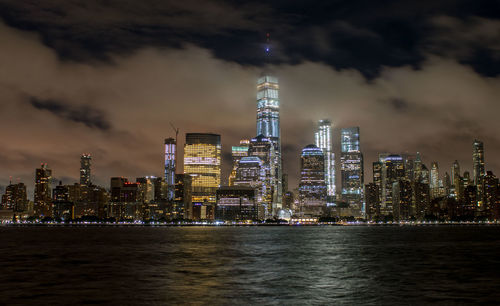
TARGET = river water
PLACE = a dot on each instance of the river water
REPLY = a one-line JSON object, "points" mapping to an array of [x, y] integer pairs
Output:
{"points": [[382, 265]]}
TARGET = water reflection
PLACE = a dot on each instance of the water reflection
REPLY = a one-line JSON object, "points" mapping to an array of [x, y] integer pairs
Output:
{"points": [[250, 265]]}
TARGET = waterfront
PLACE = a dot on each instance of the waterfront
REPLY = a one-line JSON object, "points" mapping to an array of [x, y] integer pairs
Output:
{"points": [[250, 265]]}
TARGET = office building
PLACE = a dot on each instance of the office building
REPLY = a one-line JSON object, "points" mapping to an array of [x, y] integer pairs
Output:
{"points": [[170, 165], [42, 198], [434, 180], [202, 161], [236, 203], [351, 167], [478, 161], [372, 201], [323, 140], [392, 171], [15, 197], [237, 152], [85, 163], [312, 186], [183, 205], [268, 126]]}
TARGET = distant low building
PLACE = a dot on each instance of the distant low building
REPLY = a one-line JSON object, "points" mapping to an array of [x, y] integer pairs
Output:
{"points": [[236, 203]]}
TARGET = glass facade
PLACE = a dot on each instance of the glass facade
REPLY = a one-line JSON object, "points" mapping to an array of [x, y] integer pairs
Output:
{"points": [[237, 152], [170, 148], [323, 140], [268, 125], [312, 186], [202, 160], [351, 167]]}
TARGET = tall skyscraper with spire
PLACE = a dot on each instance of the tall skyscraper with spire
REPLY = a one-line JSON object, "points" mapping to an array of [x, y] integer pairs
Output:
{"points": [[323, 140], [268, 125]]}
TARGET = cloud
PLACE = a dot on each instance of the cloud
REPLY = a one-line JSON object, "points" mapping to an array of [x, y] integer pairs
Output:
{"points": [[437, 109], [92, 118]]}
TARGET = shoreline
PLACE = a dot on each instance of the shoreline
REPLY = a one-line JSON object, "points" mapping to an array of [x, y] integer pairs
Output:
{"points": [[206, 224]]}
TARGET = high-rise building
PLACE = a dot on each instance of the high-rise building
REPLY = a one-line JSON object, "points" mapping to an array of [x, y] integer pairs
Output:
{"points": [[268, 125], [372, 201], [170, 154], [183, 205], [422, 199], [43, 199], [323, 140], [402, 199], [392, 171], [312, 186], [63, 206], [85, 163], [237, 152], [15, 197], [263, 148], [457, 186], [202, 160], [351, 167], [478, 161], [434, 180], [491, 193]]}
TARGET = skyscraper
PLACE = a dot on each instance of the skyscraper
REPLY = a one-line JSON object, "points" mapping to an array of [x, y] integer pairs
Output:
{"points": [[312, 186], [351, 167], [170, 150], [15, 197], [268, 125], [263, 148], [478, 171], [323, 140], [237, 152], [85, 162], [202, 160], [478, 161], [434, 180], [456, 180], [392, 171], [43, 199]]}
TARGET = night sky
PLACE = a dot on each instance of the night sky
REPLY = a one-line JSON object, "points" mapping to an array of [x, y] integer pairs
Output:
{"points": [[108, 77]]}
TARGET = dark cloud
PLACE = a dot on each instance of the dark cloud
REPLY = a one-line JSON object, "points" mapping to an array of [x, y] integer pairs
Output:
{"points": [[399, 105], [414, 76], [92, 118], [362, 34]]}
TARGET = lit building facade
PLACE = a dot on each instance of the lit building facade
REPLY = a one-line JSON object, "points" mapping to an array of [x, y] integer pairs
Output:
{"points": [[434, 180], [263, 148], [183, 205], [372, 201], [392, 171], [478, 161], [351, 168], [43, 199], [312, 186], [237, 152], [402, 199], [85, 163], [15, 197], [202, 160], [236, 203], [268, 125], [323, 140], [170, 154], [457, 186]]}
